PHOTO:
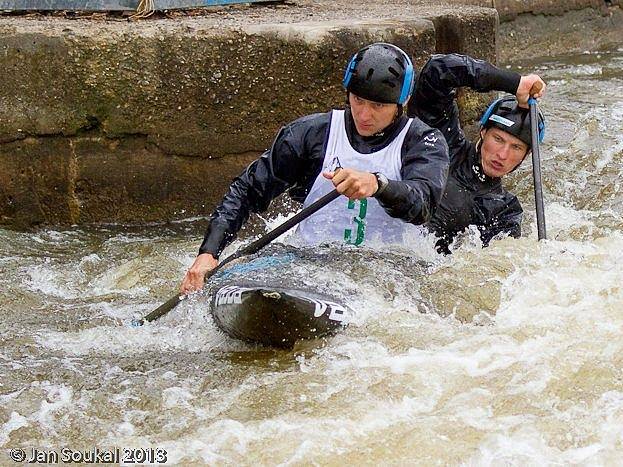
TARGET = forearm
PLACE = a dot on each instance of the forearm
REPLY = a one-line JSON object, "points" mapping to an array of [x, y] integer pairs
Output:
{"points": [[251, 191], [499, 215], [293, 160], [434, 99], [407, 201], [512, 228], [444, 73], [216, 238]]}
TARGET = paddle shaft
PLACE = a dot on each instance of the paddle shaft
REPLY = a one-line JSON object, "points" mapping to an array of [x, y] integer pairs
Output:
{"points": [[536, 163], [253, 247]]}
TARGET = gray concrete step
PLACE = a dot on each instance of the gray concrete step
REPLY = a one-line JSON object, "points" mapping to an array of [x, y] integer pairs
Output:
{"points": [[112, 5]]}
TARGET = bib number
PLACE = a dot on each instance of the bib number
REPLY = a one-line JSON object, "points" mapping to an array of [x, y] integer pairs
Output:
{"points": [[359, 222]]}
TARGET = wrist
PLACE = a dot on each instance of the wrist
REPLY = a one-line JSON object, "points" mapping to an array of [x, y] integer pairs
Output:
{"points": [[205, 262], [206, 255], [382, 183]]}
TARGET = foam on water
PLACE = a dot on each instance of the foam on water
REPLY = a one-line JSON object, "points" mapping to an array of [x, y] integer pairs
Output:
{"points": [[496, 384], [193, 333], [509, 355]]}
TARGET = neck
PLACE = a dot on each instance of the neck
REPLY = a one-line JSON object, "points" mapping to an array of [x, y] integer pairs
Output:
{"points": [[380, 137]]}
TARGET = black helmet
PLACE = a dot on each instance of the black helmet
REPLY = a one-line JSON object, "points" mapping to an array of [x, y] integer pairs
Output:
{"points": [[506, 115], [380, 72]]}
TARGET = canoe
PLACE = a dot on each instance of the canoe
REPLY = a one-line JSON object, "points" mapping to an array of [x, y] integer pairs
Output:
{"points": [[254, 301]]}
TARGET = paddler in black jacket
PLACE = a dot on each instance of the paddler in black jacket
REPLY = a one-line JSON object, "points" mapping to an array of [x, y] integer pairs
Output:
{"points": [[392, 168], [474, 194]]}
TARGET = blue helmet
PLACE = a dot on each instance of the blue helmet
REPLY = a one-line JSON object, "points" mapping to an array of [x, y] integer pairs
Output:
{"points": [[380, 72], [506, 115]]}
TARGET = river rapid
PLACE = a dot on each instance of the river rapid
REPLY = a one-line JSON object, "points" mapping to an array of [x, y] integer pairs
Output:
{"points": [[511, 355]]}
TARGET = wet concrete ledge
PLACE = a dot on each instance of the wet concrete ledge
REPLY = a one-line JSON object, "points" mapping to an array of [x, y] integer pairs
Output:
{"points": [[117, 122], [537, 28]]}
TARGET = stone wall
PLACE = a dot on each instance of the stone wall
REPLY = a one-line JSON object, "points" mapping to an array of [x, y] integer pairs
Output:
{"points": [[120, 124]]}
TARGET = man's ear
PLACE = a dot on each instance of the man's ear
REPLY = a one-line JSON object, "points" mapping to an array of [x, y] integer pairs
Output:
{"points": [[483, 131]]}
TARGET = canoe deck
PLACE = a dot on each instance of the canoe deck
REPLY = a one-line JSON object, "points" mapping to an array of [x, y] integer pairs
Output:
{"points": [[274, 316]]}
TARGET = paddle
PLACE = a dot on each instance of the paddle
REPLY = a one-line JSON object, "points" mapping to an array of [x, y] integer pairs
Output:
{"points": [[536, 162], [253, 247]]}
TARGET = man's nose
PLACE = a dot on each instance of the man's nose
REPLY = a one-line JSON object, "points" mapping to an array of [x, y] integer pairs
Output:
{"points": [[365, 112], [504, 152]]}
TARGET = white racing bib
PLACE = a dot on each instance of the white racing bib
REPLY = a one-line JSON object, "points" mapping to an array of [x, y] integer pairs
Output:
{"points": [[348, 221]]}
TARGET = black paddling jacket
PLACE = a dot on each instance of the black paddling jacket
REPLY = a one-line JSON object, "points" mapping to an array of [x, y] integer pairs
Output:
{"points": [[470, 196], [295, 160]]}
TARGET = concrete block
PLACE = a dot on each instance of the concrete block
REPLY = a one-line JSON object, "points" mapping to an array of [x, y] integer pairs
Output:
{"points": [[572, 32], [130, 180], [510, 9], [149, 122], [470, 32], [35, 182]]}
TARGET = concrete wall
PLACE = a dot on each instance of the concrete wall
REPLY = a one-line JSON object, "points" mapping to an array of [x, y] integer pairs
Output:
{"points": [[120, 124], [116, 121], [508, 10], [475, 35], [536, 28], [550, 31]]}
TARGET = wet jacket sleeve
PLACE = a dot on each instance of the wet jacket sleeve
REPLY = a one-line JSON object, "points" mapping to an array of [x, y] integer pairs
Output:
{"points": [[434, 100], [424, 172], [281, 167], [497, 215]]}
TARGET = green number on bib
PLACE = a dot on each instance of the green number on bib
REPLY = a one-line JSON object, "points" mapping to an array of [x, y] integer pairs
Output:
{"points": [[359, 220]]}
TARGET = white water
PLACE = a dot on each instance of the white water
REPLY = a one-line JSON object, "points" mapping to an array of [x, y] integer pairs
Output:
{"points": [[511, 355]]}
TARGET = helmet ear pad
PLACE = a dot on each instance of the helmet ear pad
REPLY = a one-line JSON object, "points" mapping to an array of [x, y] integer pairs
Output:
{"points": [[382, 73]]}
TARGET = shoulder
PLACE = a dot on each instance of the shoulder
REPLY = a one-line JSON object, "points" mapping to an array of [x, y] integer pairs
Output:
{"points": [[311, 121], [419, 129], [421, 134], [444, 60], [312, 126]]}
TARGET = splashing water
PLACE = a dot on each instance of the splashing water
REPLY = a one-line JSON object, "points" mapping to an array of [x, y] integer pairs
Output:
{"points": [[509, 355]]}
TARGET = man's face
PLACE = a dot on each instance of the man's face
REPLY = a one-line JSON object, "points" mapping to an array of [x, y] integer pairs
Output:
{"points": [[371, 117], [500, 152]]}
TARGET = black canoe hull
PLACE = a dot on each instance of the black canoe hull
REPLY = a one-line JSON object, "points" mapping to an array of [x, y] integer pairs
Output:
{"points": [[273, 316]]}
